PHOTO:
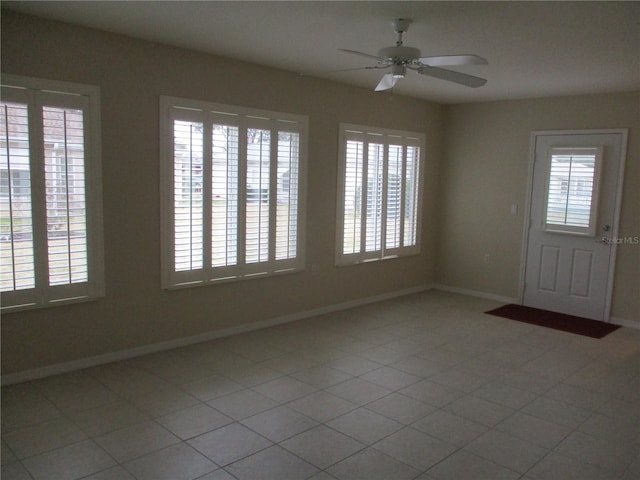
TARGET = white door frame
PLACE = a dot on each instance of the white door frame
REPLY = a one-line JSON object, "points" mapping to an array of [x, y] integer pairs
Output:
{"points": [[624, 132]]}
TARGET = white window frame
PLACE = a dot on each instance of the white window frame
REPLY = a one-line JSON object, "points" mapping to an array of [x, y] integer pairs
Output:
{"points": [[208, 113], [37, 93], [386, 137]]}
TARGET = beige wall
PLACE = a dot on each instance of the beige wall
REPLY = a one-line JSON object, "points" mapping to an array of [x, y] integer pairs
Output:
{"points": [[467, 196], [484, 171], [132, 75]]}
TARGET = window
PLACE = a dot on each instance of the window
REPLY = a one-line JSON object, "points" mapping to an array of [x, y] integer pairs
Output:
{"points": [[233, 182], [379, 194], [50, 193], [572, 188]]}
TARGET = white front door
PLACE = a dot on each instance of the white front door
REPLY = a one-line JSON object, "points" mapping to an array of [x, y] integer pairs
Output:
{"points": [[573, 209]]}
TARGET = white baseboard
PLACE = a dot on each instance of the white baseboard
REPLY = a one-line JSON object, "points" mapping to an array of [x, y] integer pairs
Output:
{"points": [[476, 293], [96, 360], [625, 322]]}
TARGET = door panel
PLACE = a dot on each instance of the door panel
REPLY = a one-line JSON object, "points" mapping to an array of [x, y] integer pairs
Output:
{"points": [[548, 278], [575, 179], [581, 273]]}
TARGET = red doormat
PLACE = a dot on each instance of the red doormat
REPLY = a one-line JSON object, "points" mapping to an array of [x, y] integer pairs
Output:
{"points": [[558, 321]]}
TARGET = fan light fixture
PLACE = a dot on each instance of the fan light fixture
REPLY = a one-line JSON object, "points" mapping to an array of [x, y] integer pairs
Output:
{"points": [[400, 57], [398, 71]]}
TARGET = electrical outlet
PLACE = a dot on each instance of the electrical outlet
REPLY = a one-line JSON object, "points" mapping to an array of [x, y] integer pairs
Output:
{"points": [[487, 258]]}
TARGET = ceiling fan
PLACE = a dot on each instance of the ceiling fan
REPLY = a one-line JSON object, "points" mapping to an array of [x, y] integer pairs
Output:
{"points": [[400, 58]]}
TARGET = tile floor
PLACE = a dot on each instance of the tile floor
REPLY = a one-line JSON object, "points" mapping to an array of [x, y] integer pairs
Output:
{"points": [[424, 387]]}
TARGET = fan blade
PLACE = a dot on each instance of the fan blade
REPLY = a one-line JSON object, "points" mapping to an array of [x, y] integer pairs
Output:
{"points": [[388, 81], [323, 72], [451, 76], [376, 67], [450, 60], [362, 54]]}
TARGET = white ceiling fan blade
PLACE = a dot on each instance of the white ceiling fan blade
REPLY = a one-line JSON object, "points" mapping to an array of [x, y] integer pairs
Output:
{"points": [[362, 54], [451, 76], [451, 60], [388, 81], [376, 67]]}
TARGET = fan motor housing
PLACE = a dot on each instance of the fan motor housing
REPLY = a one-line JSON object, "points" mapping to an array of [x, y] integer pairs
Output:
{"points": [[399, 53]]}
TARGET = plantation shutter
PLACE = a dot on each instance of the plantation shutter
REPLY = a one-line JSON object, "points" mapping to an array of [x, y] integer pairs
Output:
{"points": [[187, 195], [394, 204], [225, 200], [65, 195], [352, 199], [235, 207], [572, 190], [258, 201], [287, 181], [411, 197], [379, 194], [375, 176], [16, 231], [50, 210]]}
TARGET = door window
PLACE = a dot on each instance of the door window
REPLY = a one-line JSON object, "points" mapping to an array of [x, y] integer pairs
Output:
{"points": [[572, 190]]}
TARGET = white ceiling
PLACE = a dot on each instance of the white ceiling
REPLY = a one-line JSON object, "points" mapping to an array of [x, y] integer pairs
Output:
{"points": [[535, 49]]}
